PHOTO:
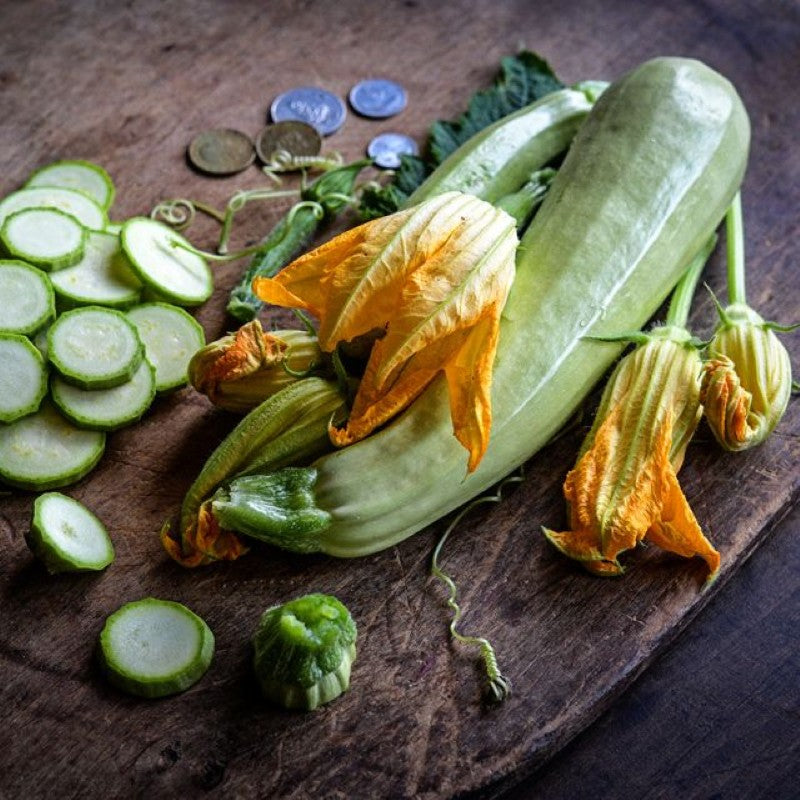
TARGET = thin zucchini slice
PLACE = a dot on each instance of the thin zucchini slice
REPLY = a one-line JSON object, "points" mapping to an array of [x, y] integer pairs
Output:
{"points": [[103, 276], [106, 409], [153, 648], [94, 347], [28, 302], [68, 537], [45, 237], [159, 259], [45, 451], [171, 337], [23, 377], [84, 176], [79, 205]]}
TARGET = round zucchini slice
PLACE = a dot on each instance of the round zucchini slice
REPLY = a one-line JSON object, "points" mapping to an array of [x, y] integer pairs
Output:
{"points": [[83, 176], [45, 237], [161, 261], [153, 648], [28, 299], [94, 347], [45, 451]]}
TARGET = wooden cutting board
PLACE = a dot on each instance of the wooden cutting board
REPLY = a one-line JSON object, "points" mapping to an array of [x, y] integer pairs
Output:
{"points": [[128, 85]]}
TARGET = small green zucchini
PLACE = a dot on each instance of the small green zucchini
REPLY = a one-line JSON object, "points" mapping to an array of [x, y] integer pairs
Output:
{"points": [[648, 178], [500, 159]]}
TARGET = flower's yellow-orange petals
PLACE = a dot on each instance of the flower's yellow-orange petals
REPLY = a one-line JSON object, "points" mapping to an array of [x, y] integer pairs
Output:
{"points": [[301, 284], [620, 493], [250, 350], [434, 278], [726, 403], [204, 542]]}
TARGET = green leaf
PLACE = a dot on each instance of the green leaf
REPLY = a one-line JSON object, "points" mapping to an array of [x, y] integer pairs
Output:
{"points": [[523, 79]]}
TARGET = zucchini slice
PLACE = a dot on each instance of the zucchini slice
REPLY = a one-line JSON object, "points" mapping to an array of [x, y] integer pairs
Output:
{"points": [[106, 409], [45, 451], [159, 258], [153, 648], [171, 337], [103, 276], [68, 537], [28, 300], [23, 377], [75, 203], [94, 347], [45, 237], [84, 176]]}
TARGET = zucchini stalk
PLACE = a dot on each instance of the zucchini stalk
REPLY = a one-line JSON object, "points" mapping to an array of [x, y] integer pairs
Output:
{"points": [[649, 177]]}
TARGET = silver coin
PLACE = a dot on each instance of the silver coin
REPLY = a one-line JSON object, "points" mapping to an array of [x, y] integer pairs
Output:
{"points": [[386, 148], [318, 107], [377, 98]]}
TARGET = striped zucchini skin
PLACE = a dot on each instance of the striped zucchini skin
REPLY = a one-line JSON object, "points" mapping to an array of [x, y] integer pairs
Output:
{"points": [[499, 159], [649, 176]]}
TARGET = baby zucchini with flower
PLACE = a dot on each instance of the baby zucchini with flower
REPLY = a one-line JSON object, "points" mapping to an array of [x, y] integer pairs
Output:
{"points": [[649, 176], [747, 381], [624, 486], [244, 368]]}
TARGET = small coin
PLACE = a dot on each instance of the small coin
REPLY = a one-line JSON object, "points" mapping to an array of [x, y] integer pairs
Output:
{"points": [[386, 148], [222, 151], [318, 107], [377, 98], [296, 138]]}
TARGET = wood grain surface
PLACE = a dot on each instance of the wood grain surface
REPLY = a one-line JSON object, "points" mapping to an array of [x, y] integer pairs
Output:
{"points": [[128, 85]]}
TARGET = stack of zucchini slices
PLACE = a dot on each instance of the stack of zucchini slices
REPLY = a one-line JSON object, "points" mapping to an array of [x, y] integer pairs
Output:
{"points": [[92, 324]]}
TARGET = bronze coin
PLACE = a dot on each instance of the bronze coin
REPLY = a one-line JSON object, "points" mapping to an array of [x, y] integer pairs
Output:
{"points": [[222, 151], [295, 137]]}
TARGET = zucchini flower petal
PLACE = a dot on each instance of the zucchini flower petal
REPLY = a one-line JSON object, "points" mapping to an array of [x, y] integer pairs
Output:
{"points": [[624, 487], [747, 383], [240, 370], [434, 278], [203, 542]]}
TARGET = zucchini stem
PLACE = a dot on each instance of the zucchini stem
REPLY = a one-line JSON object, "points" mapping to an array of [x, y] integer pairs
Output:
{"points": [[499, 685], [734, 231], [180, 213], [681, 301]]}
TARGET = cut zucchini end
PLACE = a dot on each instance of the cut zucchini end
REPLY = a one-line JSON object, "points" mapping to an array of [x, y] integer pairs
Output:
{"points": [[67, 537], [23, 377], [171, 337], [94, 347], [29, 300], [48, 238], [153, 648], [77, 174], [157, 255]]}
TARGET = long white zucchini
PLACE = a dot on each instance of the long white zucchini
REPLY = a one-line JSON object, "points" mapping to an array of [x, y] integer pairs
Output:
{"points": [[648, 178]]}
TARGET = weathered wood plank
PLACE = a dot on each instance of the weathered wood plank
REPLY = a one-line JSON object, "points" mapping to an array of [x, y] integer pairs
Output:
{"points": [[128, 85]]}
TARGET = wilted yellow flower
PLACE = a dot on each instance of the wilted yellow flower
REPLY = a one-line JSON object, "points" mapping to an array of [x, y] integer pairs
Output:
{"points": [[624, 487], [240, 370], [748, 380], [433, 280], [205, 543]]}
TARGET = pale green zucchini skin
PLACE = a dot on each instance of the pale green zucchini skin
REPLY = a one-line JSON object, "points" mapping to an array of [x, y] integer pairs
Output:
{"points": [[648, 178], [498, 160]]}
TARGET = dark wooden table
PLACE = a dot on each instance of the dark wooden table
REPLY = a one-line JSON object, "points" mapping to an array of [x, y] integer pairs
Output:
{"points": [[692, 711]]}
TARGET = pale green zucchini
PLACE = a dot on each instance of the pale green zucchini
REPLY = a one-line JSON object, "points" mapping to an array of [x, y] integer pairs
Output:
{"points": [[648, 178]]}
